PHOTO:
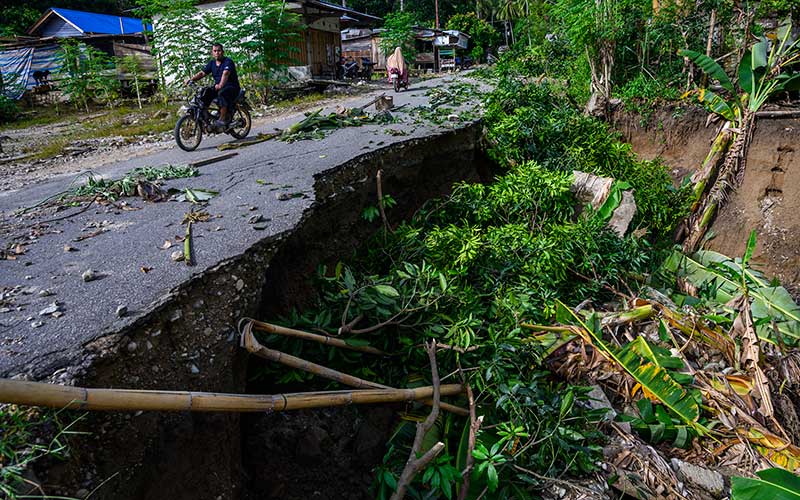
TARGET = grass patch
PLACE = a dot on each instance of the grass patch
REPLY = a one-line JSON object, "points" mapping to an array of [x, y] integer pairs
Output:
{"points": [[23, 434], [103, 123]]}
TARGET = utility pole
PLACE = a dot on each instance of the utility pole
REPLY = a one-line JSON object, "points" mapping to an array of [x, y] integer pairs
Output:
{"points": [[436, 7], [401, 5]]}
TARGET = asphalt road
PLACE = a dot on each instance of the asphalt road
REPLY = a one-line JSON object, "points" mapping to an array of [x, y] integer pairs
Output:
{"points": [[133, 237]]}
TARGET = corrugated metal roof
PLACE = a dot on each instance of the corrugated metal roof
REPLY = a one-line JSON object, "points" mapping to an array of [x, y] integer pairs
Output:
{"points": [[90, 22]]}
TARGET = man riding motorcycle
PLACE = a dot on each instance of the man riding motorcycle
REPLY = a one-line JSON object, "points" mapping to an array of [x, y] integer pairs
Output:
{"points": [[226, 84]]}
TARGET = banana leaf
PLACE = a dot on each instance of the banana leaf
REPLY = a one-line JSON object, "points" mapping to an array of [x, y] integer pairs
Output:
{"points": [[772, 484], [719, 278], [710, 67], [716, 104], [654, 380]]}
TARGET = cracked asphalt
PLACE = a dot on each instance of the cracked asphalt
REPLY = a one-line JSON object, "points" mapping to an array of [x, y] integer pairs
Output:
{"points": [[273, 179]]}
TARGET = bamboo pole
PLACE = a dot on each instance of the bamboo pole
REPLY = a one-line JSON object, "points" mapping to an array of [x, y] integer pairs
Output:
{"points": [[79, 398], [322, 339], [249, 342]]}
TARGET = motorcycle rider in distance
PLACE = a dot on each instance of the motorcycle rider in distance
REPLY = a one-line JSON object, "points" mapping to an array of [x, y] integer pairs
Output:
{"points": [[226, 83]]}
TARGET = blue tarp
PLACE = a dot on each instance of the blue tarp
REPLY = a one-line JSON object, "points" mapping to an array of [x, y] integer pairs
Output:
{"points": [[89, 22], [18, 66]]}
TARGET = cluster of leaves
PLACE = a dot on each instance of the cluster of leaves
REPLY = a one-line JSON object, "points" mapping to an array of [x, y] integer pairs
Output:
{"points": [[482, 35], [643, 94], [465, 270], [399, 32], [528, 121], [21, 431], [257, 34], [111, 189], [87, 74]]}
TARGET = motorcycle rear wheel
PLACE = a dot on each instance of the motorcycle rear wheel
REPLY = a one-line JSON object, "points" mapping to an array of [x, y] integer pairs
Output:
{"points": [[241, 118], [188, 133]]}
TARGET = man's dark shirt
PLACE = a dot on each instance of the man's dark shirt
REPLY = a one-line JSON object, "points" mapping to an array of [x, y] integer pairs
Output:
{"points": [[216, 70]]}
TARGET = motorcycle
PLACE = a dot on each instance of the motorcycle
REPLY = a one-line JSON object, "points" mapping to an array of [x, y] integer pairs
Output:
{"points": [[396, 77], [197, 119]]}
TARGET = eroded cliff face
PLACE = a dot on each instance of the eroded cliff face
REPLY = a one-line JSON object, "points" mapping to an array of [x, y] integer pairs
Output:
{"points": [[768, 199], [189, 342]]}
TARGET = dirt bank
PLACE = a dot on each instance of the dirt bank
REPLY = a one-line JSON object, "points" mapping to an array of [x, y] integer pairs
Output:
{"points": [[768, 199]]}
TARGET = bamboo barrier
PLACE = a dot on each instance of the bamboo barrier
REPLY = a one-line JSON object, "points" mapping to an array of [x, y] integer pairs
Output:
{"points": [[79, 398], [322, 339]]}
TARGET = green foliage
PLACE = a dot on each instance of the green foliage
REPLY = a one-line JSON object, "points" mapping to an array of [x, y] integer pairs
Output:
{"points": [[8, 109], [765, 70], [533, 122], [86, 75], [180, 40], [643, 94], [17, 19], [258, 35], [132, 68], [21, 431], [775, 484], [399, 32], [720, 279], [482, 35]]}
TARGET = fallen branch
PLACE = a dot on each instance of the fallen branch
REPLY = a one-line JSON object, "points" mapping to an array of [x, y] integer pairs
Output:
{"points": [[249, 342], [21, 392], [322, 339], [213, 159], [255, 140], [414, 464], [474, 425], [187, 245], [380, 203]]}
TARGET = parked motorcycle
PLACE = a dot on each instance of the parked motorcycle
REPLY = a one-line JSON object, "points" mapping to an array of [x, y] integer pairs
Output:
{"points": [[197, 119], [396, 77]]}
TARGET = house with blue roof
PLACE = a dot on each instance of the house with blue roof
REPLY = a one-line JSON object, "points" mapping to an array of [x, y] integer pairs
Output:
{"points": [[67, 23], [27, 59]]}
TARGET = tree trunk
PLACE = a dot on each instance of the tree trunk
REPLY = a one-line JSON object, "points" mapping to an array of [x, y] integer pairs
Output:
{"points": [[729, 177]]}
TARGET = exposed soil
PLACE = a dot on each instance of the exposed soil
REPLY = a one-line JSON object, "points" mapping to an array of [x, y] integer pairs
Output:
{"points": [[768, 199]]}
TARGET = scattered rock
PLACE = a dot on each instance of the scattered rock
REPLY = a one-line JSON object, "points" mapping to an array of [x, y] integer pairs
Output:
{"points": [[89, 275], [122, 311], [239, 285], [194, 369], [46, 293], [254, 219], [52, 308], [131, 347], [37, 324], [68, 248], [706, 479], [177, 255], [57, 314], [452, 118], [597, 399]]}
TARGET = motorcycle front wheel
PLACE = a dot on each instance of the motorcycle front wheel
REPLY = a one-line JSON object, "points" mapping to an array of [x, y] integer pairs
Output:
{"points": [[241, 123], [397, 85], [188, 133]]}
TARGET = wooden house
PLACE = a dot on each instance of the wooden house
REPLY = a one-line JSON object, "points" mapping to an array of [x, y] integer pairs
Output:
{"points": [[319, 47], [22, 59]]}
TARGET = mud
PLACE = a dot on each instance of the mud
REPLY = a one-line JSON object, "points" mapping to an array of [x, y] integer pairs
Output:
{"points": [[189, 342], [768, 199]]}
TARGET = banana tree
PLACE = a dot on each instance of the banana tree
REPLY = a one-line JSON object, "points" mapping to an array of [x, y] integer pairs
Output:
{"points": [[762, 73]]}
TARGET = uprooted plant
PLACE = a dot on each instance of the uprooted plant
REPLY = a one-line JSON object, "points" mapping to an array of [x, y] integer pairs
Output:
{"points": [[764, 71]]}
